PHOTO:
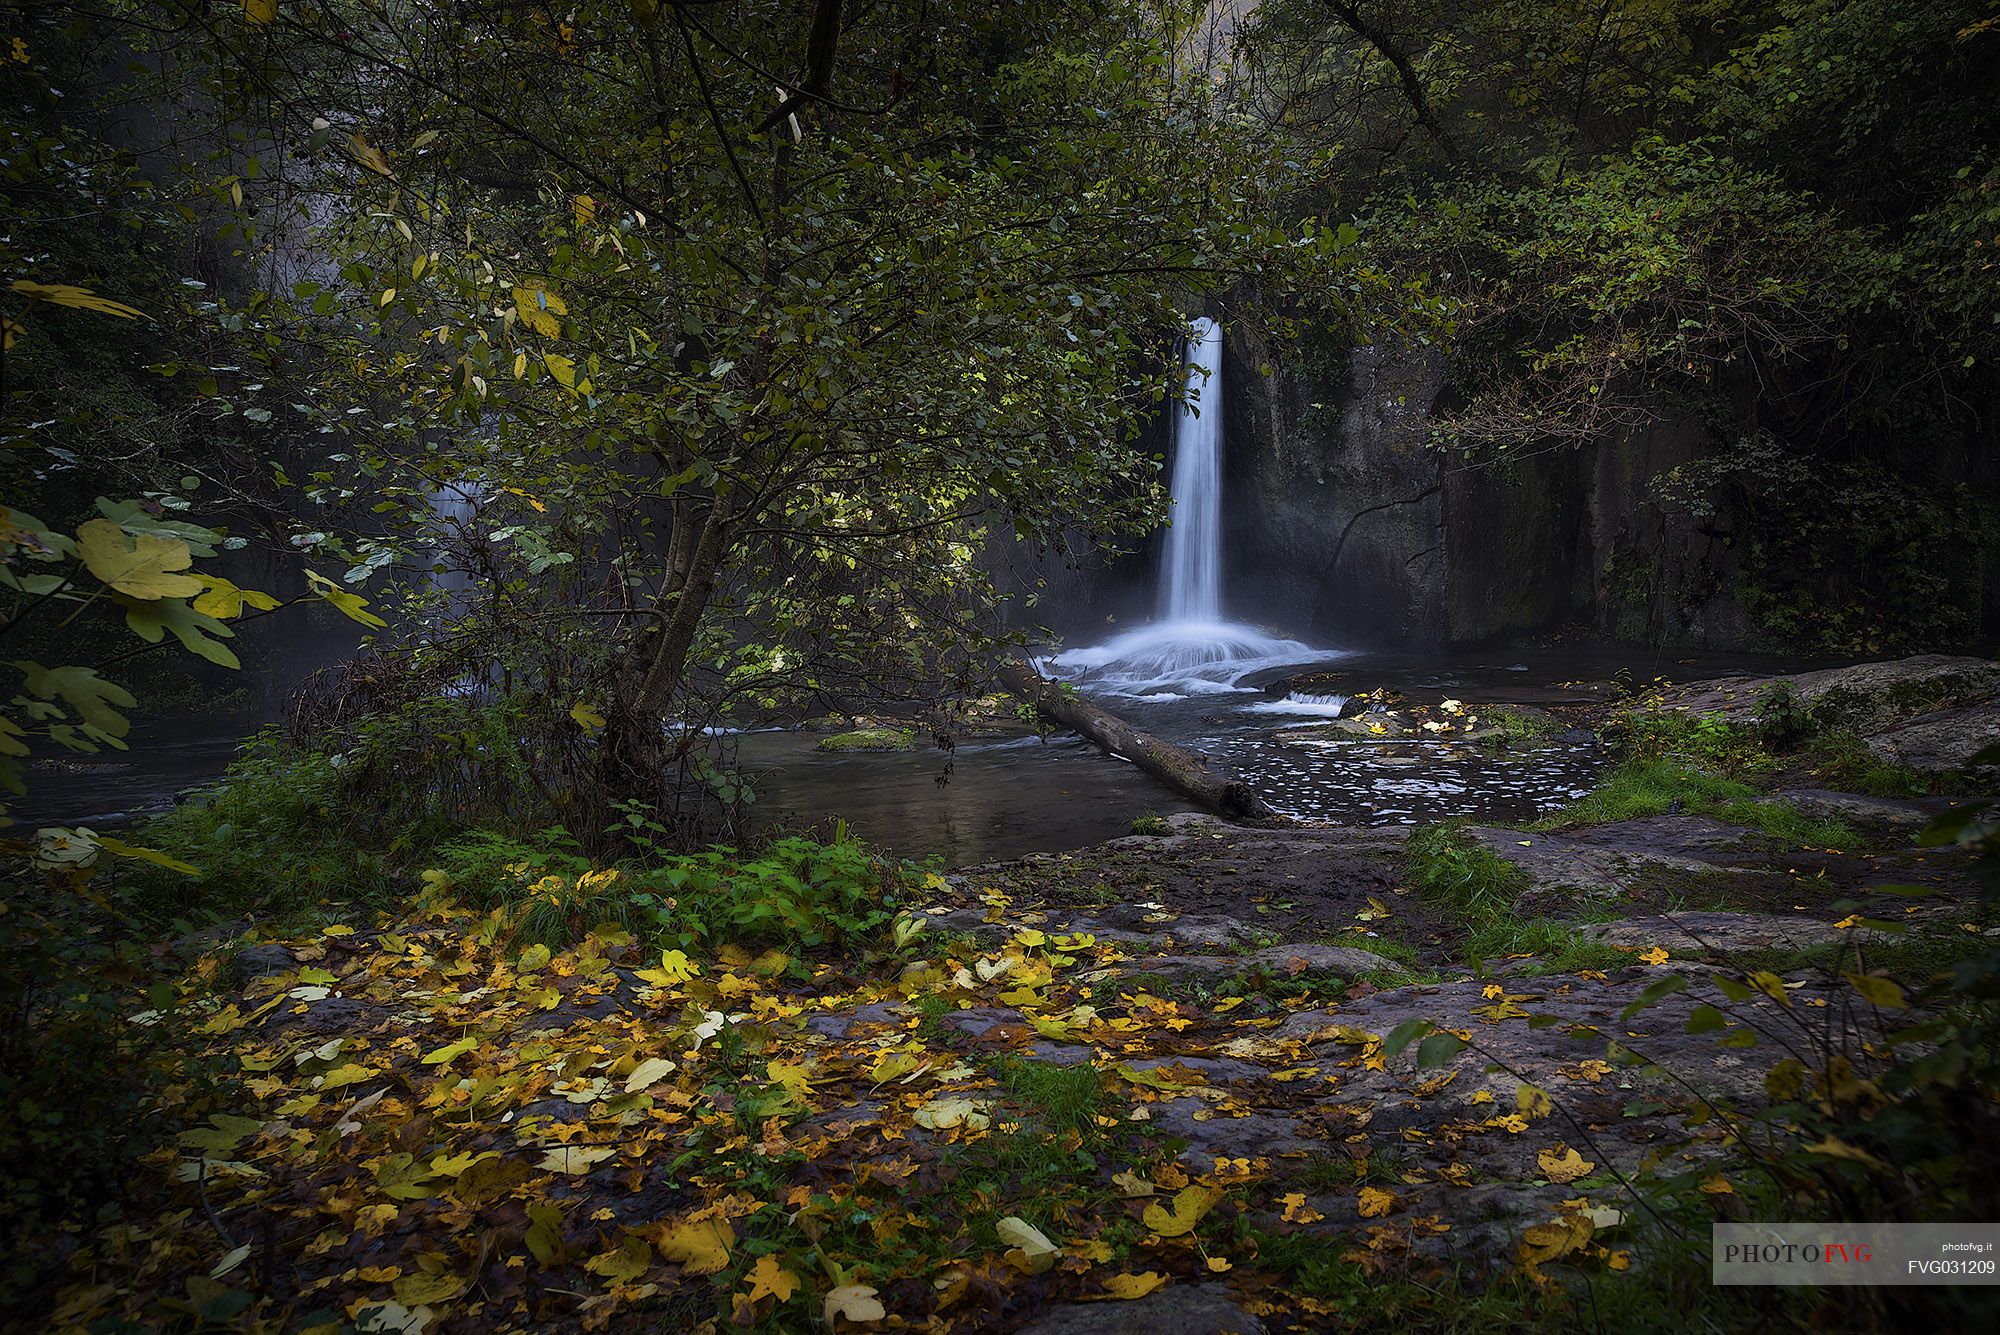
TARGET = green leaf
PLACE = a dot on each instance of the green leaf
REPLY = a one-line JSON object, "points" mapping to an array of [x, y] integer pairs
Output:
{"points": [[150, 622], [1438, 1049], [95, 700], [1878, 991], [1706, 1019], [1405, 1034], [1653, 995]]}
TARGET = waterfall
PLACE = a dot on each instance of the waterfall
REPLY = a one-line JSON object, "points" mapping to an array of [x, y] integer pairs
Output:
{"points": [[1191, 573], [1190, 649]]}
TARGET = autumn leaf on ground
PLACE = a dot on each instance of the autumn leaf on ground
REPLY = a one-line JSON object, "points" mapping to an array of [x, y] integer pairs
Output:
{"points": [[1190, 1204], [1134, 1286], [675, 968], [1297, 1211], [1376, 1201], [852, 1302], [770, 1279], [946, 1113], [648, 1073], [1032, 1252], [624, 1263], [1546, 1242], [1563, 1165], [1130, 1185], [575, 1159], [702, 1246]]}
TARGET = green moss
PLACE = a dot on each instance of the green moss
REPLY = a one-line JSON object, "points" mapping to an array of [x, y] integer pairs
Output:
{"points": [[1840, 759], [869, 739], [1151, 824]]}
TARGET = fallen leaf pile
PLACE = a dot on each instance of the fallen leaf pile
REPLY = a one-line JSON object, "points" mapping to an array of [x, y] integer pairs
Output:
{"points": [[431, 1130]]}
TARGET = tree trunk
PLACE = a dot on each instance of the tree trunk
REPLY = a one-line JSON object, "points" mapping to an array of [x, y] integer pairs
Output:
{"points": [[1183, 771]]}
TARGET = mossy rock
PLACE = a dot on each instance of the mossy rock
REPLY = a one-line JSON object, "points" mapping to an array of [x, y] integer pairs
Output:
{"points": [[869, 739]]}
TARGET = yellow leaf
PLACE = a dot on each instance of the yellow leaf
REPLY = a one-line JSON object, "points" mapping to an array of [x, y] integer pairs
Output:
{"points": [[647, 1074], [701, 1246], [1834, 1148], [538, 308], [1126, 1287], [369, 156], [1878, 991], [675, 969], [1532, 1101], [1297, 1211], [260, 12], [1619, 1260], [586, 718], [1376, 1202], [350, 605], [1032, 1252], [142, 566], [1130, 1185], [445, 1055], [429, 1286], [1771, 986], [1559, 1237], [583, 208], [1657, 955], [1218, 1264], [1190, 1204], [1715, 1184], [769, 1279], [852, 1302], [631, 1259], [534, 959], [576, 1160], [1563, 1165], [78, 298], [943, 1114]]}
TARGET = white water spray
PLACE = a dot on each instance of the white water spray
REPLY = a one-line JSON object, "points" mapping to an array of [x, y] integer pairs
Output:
{"points": [[1190, 650]]}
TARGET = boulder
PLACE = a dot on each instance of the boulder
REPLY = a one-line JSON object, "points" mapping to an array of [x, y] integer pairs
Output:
{"points": [[1940, 742], [1866, 697], [1181, 1309]]}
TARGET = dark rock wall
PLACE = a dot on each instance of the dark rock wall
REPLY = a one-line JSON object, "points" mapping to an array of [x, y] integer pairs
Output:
{"points": [[1345, 522]]}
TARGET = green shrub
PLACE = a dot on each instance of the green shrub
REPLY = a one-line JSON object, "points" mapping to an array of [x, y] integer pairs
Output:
{"points": [[797, 893], [272, 835]]}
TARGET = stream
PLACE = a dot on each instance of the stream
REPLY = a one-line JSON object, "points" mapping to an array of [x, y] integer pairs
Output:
{"points": [[995, 798]]}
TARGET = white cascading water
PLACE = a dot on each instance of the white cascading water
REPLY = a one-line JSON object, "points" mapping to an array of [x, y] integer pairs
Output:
{"points": [[1191, 573], [1190, 650]]}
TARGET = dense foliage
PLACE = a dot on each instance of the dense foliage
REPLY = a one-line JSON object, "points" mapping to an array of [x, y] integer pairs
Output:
{"points": [[1774, 222]]}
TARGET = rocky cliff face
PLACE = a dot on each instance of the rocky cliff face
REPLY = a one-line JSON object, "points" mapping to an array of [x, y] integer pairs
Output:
{"points": [[1343, 519]]}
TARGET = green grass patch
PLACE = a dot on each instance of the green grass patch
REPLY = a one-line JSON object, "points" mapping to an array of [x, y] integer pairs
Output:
{"points": [[1460, 874], [1840, 759], [1640, 788], [1151, 823], [1557, 947], [869, 739]]}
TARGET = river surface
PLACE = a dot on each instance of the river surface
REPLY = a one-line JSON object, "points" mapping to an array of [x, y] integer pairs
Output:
{"points": [[1000, 798]]}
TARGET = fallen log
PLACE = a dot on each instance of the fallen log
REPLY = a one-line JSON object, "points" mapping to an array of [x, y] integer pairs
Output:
{"points": [[1184, 771]]}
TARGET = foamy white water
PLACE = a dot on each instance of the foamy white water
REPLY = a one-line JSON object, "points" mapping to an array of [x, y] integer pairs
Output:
{"points": [[1191, 649]]}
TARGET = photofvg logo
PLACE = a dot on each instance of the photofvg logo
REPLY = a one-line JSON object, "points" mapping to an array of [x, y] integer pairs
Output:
{"points": [[1823, 1253]]}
